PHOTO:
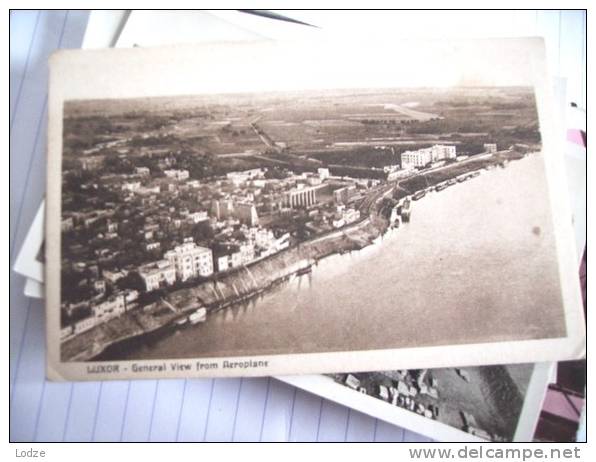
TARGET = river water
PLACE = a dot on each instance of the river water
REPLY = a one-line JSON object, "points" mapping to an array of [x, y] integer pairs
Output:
{"points": [[476, 263]]}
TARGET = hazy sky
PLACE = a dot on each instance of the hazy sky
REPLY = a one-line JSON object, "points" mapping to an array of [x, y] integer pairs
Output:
{"points": [[266, 66]]}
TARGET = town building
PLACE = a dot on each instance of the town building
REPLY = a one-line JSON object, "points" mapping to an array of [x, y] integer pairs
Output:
{"points": [[84, 325], [132, 186], [490, 147], [91, 163], [177, 174], [443, 152], [197, 217], [247, 252], [238, 178], [323, 173], [301, 197], [67, 224], [228, 259], [244, 211], [190, 260], [424, 156], [153, 246], [156, 274], [343, 195], [415, 159], [112, 307]]}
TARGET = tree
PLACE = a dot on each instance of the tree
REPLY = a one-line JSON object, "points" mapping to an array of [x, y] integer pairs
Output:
{"points": [[132, 281]]}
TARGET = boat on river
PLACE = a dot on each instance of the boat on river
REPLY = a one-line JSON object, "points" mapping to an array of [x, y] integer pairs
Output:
{"points": [[419, 195], [181, 321], [198, 316], [305, 270]]}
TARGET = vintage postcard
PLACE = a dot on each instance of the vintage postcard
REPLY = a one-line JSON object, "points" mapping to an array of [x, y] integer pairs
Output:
{"points": [[262, 208], [486, 403]]}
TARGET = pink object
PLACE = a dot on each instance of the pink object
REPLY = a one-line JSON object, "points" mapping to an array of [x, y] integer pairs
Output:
{"points": [[558, 404], [576, 136]]}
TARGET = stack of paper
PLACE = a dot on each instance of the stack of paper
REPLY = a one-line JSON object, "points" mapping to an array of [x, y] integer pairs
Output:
{"points": [[312, 207]]}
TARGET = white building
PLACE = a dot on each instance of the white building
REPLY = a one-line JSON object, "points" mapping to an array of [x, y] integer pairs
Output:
{"points": [[261, 237], [84, 325], [323, 173], [197, 217], [301, 197], [177, 174], [238, 178], [229, 260], [351, 215], [414, 159], [490, 147], [422, 157], [157, 273], [247, 252], [67, 224], [153, 246], [190, 260], [132, 186], [113, 306]]}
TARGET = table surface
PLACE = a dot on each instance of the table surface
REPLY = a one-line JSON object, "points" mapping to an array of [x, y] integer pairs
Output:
{"points": [[249, 409]]}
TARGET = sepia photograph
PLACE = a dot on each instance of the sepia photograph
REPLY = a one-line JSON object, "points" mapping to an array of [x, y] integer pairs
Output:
{"points": [[486, 403], [240, 229]]}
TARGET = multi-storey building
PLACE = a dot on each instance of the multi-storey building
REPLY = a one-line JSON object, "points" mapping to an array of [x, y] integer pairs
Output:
{"points": [[244, 211], [441, 152], [343, 195], [301, 197], [412, 159], [323, 173], [155, 274], [190, 260], [113, 306], [247, 252], [422, 157]]}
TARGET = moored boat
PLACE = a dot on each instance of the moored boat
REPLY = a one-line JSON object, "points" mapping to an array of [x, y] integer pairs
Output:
{"points": [[419, 195], [306, 270], [181, 321], [199, 315]]}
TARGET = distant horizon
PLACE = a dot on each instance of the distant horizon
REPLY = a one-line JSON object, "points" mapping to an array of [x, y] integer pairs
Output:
{"points": [[82, 105]]}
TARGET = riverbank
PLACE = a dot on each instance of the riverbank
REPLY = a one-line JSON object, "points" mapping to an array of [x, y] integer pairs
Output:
{"points": [[433, 177], [223, 291], [235, 286]]}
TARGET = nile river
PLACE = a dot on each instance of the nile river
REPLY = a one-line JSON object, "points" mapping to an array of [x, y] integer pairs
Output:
{"points": [[476, 263]]}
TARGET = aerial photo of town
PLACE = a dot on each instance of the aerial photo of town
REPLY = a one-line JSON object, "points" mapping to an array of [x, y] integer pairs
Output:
{"points": [[484, 401], [178, 208]]}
